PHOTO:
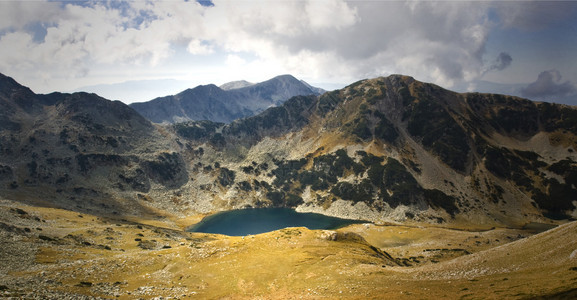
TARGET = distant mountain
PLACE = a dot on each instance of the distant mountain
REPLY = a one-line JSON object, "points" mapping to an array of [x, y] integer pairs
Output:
{"points": [[388, 149], [317, 90], [237, 100], [235, 85]]}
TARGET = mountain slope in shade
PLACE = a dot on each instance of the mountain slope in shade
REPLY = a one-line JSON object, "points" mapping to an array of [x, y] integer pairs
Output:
{"points": [[234, 101]]}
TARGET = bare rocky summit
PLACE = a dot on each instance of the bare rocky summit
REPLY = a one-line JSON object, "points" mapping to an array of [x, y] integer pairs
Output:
{"points": [[235, 85]]}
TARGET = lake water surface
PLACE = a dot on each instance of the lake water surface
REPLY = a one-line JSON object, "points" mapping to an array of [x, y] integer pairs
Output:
{"points": [[259, 220]]}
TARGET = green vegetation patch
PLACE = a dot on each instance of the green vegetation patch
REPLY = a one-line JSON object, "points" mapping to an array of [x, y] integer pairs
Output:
{"points": [[385, 130], [87, 162], [440, 133], [168, 169], [372, 124], [360, 127], [328, 102], [437, 199], [389, 183], [362, 192], [293, 114], [556, 117], [287, 171], [523, 168], [400, 183], [197, 130], [283, 199], [514, 115], [226, 177]]}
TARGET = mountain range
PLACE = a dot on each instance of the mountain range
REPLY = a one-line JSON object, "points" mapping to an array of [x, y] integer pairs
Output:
{"points": [[389, 149], [454, 191], [224, 104]]}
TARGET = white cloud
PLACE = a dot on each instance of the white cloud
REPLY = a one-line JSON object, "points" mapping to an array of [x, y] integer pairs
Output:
{"points": [[80, 38], [329, 14], [441, 42], [17, 14], [235, 60], [549, 85], [197, 47]]}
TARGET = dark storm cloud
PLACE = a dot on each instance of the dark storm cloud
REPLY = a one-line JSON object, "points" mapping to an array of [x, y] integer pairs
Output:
{"points": [[534, 15], [500, 63], [503, 61], [549, 85]]}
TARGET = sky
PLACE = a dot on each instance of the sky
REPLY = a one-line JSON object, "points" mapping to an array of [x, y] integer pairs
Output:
{"points": [[138, 50]]}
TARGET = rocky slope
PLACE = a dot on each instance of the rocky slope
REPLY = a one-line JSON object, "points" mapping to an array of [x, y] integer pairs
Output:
{"points": [[232, 101], [386, 150]]}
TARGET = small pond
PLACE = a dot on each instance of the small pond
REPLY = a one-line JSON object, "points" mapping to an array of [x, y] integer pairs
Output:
{"points": [[259, 220]]}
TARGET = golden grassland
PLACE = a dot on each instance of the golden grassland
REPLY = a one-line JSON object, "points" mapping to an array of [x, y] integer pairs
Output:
{"points": [[72, 254]]}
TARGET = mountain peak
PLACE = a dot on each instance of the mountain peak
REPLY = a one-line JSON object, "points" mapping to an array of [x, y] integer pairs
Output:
{"points": [[8, 85], [285, 77], [233, 85]]}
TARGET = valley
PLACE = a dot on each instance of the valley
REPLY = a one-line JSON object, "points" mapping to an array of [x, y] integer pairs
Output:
{"points": [[60, 254], [95, 198]]}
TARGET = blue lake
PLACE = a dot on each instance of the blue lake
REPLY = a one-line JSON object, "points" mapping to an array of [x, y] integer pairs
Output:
{"points": [[259, 220]]}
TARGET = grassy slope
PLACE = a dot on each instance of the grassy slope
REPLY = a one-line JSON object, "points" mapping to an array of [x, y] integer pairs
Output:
{"points": [[85, 255]]}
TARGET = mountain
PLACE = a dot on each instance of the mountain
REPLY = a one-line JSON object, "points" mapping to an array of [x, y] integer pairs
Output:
{"points": [[236, 85], [79, 151], [387, 149], [236, 100], [318, 91], [91, 191], [394, 149]]}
